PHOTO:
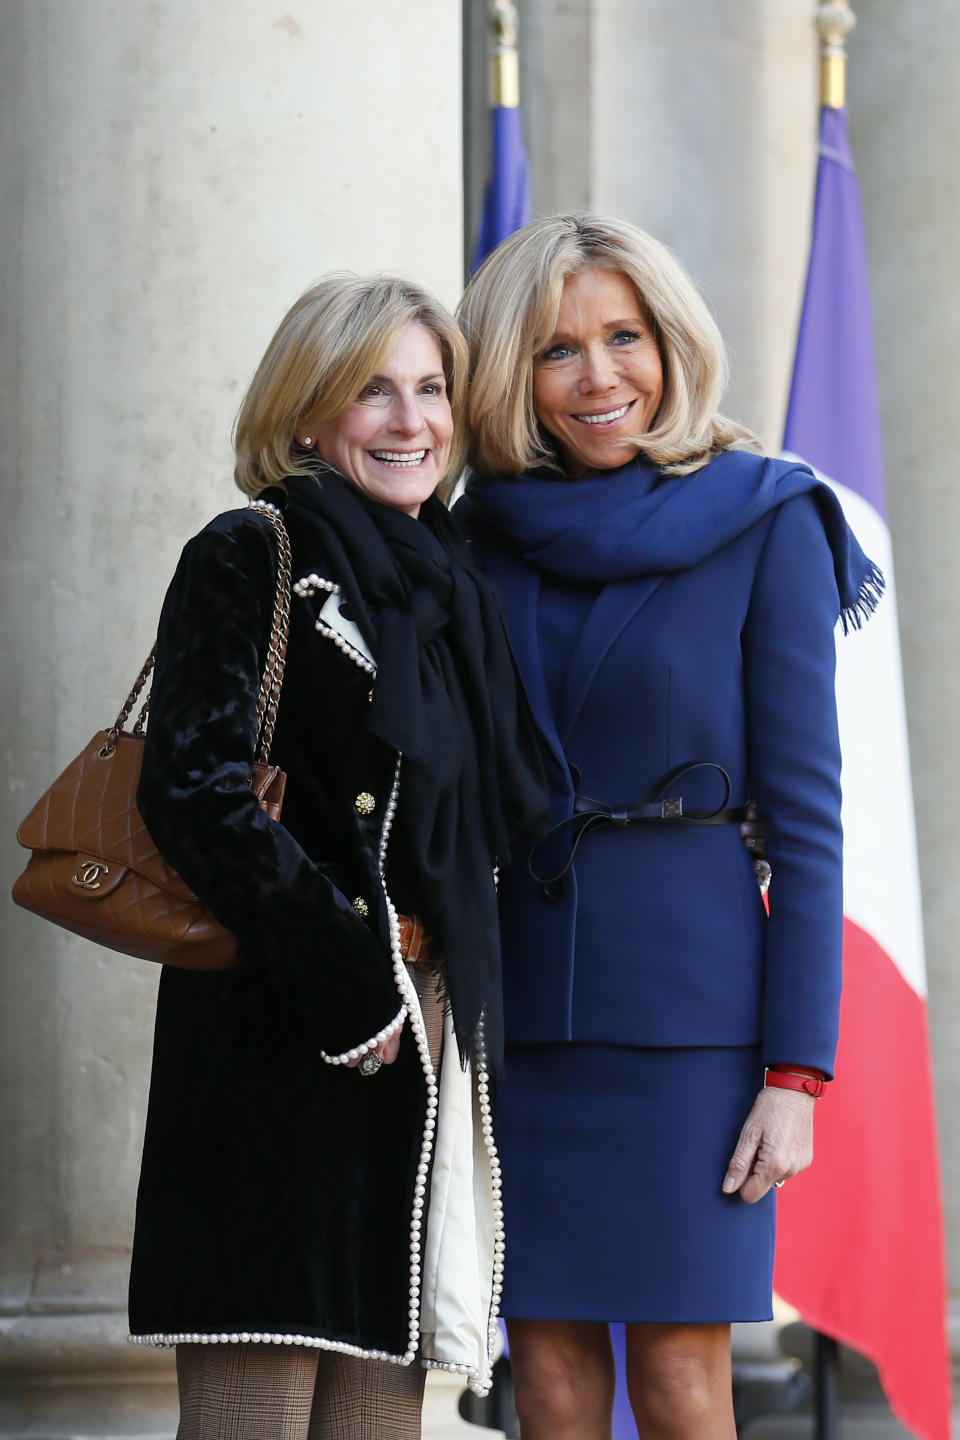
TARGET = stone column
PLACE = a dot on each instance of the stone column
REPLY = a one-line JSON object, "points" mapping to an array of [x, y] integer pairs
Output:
{"points": [[174, 176], [905, 131], [697, 123]]}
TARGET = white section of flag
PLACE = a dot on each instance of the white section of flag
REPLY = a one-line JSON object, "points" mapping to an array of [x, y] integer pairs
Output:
{"points": [[881, 876]]}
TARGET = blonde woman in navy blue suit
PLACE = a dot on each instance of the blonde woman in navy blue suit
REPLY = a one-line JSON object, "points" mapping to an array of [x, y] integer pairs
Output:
{"points": [[672, 599]]}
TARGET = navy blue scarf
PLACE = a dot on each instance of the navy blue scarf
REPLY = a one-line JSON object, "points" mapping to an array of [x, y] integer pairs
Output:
{"points": [[621, 524]]}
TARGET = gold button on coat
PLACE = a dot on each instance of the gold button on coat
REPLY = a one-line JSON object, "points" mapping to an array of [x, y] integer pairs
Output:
{"points": [[365, 803]]}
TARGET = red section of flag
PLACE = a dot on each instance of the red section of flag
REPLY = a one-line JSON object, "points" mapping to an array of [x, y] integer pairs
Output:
{"points": [[875, 1279]]}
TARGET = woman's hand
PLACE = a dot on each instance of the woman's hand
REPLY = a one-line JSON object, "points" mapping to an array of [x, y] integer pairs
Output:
{"points": [[753, 833], [388, 1050], [753, 829], [776, 1142]]}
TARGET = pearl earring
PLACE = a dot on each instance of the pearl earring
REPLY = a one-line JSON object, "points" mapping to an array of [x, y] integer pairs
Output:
{"points": [[307, 441]]}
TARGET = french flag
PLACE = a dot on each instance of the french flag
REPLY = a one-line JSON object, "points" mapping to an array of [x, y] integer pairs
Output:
{"points": [[860, 1248]]}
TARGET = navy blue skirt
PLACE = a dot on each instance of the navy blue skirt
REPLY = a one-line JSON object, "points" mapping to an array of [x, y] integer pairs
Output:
{"points": [[613, 1158]]}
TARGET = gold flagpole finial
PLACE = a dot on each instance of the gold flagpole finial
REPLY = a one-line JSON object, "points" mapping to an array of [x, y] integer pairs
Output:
{"points": [[834, 22], [504, 60]]}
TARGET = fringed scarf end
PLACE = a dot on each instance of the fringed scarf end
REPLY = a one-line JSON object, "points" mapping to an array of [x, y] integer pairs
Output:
{"points": [[868, 598]]}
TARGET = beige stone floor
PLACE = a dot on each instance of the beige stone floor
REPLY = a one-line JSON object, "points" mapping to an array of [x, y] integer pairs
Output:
{"points": [[866, 1422], [858, 1422], [440, 1418]]}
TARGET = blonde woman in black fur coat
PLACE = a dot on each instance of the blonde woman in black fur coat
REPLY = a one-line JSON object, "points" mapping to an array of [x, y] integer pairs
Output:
{"points": [[319, 1209]]}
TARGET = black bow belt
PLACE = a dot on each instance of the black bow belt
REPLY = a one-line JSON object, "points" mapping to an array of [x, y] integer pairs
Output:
{"points": [[658, 807]]}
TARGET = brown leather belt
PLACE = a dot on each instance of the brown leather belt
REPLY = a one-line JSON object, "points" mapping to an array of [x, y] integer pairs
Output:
{"points": [[415, 943]]}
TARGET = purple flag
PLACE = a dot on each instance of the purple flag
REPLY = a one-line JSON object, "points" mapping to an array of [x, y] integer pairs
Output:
{"points": [[506, 205], [833, 419]]}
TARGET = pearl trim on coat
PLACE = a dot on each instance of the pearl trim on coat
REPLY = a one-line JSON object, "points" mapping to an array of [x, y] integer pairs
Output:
{"points": [[409, 995], [357, 1051], [263, 1337], [409, 1010], [496, 1187], [346, 647], [308, 585], [309, 1342]]}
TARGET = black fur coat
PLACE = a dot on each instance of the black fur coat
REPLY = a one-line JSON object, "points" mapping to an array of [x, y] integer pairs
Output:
{"points": [[277, 1190]]}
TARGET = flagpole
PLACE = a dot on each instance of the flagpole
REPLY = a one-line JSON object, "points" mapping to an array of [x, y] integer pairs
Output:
{"points": [[506, 204], [504, 59], [826, 1377], [834, 21]]}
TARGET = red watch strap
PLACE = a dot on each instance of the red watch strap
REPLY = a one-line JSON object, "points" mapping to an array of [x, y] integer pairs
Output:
{"points": [[784, 1080], [798, 1070]]}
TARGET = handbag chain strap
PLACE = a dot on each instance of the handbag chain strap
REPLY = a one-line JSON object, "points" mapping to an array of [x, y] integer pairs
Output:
{"points": [[269, 697]]}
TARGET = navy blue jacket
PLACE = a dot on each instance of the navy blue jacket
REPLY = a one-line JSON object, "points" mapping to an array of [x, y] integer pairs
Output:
{"points": [[661, 936]]}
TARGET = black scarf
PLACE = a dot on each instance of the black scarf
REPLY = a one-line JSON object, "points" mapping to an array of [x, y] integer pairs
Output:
{"points": [[448, 696]]}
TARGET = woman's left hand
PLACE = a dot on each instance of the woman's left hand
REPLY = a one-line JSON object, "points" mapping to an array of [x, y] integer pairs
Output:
{"points": [[753, 833], [753, 830], [387, 1050], [776, 1142]]}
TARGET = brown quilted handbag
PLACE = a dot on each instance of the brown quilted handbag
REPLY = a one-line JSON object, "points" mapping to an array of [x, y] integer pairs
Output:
{"points": [[94, 869]]}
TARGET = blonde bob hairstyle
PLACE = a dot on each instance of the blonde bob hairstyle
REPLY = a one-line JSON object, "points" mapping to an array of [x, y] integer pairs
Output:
{"points": [[324, 351], [509, 313]]}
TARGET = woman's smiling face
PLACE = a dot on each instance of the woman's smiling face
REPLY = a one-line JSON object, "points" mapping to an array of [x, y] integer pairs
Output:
{"points": [[600, 377], [393, 442]]}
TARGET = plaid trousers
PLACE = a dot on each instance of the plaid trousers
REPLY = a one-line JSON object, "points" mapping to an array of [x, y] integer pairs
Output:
{"points": [[291, 1392]]}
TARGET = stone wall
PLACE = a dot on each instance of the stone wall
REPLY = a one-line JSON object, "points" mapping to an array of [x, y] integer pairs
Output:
{"points": [[174, 176]]}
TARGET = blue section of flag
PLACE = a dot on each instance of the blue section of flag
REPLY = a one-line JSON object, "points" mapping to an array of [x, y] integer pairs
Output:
{"points": [[833, 419], [506, 205]]}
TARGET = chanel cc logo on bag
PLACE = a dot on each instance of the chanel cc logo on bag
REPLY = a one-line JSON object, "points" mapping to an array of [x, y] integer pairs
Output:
{"points": [[89, 875]]}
